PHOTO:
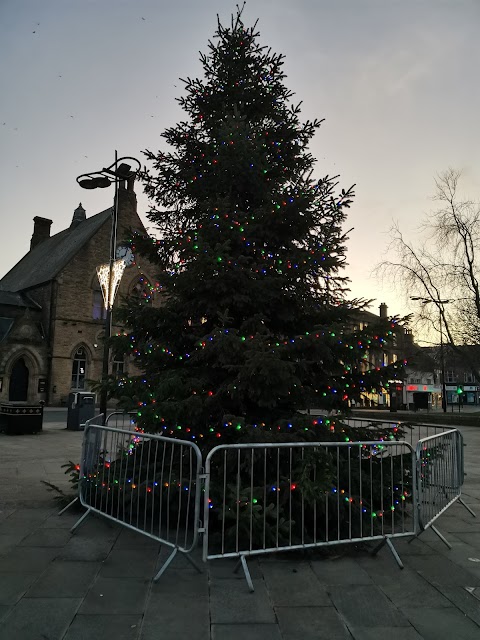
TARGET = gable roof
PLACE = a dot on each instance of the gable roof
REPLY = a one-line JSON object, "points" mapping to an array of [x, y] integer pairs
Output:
{"points": [[17, 300], [48, 258]]}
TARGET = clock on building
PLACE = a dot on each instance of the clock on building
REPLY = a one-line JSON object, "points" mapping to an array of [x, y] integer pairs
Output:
{"points": [[126, 254]]}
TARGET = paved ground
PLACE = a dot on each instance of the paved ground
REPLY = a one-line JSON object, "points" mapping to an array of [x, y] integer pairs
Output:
{"points": [[96, 584]]}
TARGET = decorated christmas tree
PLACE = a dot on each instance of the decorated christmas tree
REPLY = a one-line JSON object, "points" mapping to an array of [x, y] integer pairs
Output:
{"points": [[254, 326]]}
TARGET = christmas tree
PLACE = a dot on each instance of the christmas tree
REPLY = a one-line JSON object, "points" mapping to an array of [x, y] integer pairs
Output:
{"points": [[255, 325]]}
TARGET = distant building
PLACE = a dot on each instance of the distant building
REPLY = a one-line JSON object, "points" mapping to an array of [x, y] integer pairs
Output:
{"points": [[51, 305]]}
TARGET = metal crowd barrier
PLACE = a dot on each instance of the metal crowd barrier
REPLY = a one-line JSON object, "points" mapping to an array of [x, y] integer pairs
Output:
{"points": [[269, 497], [412, 433], [440, 473], [122, 420], [264, 498], [147, 483]]}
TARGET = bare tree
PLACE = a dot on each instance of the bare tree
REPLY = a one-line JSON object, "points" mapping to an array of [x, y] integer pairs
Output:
{"points": [[444, 268]]}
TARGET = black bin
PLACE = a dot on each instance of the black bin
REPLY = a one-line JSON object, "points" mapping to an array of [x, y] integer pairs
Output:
{"points": [[81, 407], [16, 418]]}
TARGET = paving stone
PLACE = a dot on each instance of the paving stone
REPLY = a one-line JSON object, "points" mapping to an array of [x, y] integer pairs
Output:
{"points": [[381, 569], [186, 581], [471, 538], [18, 528], [366, 606], [223, 568], [64, 579], [231, 602], [380, 633], [128, 539], [7, 543], [311, 623], [294, 584], [39, 618], [417, 547], [116, 595], [463, 600], [27, 559], [439, 570], [4, 611], [46, 538], [106, 627], [442, 624], [87, 549], [341, 571], [14, 585], [65, 521], [243, 631], [408, 588], [130, 563], [176, 615]]}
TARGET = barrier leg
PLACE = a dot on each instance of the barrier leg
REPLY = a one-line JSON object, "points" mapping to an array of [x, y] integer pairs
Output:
{"points": [[379, 546], [165, 565], [68, 506], [468, 508], [386, 541], [192, 562], [79, 522], [243, 563], [394, 553], [442, 538]]}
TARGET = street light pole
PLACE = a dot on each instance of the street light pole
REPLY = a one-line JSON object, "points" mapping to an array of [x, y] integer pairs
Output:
{"points": [[101, 179], [442, 354]]}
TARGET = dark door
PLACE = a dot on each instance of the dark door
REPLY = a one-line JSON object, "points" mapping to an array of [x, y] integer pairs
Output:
{"points": [[19, 381]]}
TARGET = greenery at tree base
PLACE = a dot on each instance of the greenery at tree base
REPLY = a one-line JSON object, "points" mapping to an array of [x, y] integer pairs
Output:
{"points": [[255, 325]]}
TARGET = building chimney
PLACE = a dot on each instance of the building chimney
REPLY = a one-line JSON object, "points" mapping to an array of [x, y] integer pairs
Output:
{"points": [[79, 216], [41, 231], [383, 310]]}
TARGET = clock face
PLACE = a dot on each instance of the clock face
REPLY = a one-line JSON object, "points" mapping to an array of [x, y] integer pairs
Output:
{"points": [[125, 254]]}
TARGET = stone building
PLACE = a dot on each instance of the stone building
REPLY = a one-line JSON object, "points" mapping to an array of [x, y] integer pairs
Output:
{"points": [[51, 305]]}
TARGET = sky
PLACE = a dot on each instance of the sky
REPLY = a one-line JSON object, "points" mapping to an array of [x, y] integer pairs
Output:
{"points": [[397, 82]]}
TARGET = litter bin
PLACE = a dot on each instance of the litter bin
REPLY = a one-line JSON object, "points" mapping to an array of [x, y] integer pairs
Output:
{"points": [[21, 418], [81, 407]]}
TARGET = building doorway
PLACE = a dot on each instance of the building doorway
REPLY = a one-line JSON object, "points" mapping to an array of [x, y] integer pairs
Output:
{"points": [[18, 390]]}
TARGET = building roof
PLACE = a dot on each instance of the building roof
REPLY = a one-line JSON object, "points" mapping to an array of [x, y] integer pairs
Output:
{"points": [[48, 258], [17, 300]]}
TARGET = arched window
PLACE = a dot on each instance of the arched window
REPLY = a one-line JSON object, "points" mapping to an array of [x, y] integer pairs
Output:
{"points": [[18, 390], [98, 307], [79, 369]]}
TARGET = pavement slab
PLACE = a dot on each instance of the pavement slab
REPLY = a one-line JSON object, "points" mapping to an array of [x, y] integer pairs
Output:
{"points": [[366, 606], [13, 586], [341, 571], [116, 596], [65, 579], [312, 623], [97, 583], [244, 631], [39, 619], [294, 585], [442, 624], [104, 627], [381, 633], [232, 603]]}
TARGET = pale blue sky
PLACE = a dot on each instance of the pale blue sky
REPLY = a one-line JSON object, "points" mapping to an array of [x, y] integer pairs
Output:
{"points": [[397, 82]]}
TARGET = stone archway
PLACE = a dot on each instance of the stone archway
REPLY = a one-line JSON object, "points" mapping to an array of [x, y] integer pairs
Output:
{"points": [[19, 379]]}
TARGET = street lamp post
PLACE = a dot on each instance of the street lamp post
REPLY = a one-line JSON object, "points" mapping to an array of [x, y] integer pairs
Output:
{"points": [[109, 274], [442, 355]]}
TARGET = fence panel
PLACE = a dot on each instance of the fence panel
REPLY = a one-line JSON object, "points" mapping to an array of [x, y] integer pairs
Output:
{"points": [[440, 474], [269, 497], [122, 420], [412, 432], [146, 482]]}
